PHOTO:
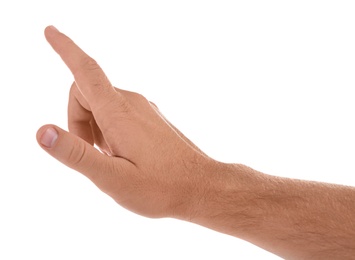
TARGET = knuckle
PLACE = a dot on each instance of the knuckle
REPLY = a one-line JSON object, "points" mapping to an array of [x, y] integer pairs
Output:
{"points": [[123, 104], [125, 107], [134, 96], [153, 104], [77, 154], [141, 98], [115, 103], [89, 63]]}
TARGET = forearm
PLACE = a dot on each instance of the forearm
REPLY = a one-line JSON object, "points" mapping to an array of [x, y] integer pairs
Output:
{"points": [[150, 168], [291, 218]]}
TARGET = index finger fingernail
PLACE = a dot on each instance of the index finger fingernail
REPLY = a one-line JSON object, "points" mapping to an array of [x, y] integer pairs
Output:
{"points": [[53, 28]]}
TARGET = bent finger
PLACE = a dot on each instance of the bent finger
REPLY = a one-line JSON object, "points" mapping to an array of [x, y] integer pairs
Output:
{"points": [[79, 117]]}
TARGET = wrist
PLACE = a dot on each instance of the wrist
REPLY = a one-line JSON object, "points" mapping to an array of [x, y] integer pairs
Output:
{"points": [[223, 198]]}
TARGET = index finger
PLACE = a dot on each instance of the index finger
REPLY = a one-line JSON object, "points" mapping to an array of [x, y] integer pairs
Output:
{"points": [[89, 77]]}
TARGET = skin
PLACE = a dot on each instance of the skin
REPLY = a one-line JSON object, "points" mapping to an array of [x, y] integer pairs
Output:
{"points": [[149, 167]]}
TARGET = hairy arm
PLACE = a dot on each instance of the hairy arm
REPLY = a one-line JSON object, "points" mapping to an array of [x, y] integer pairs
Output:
{"points": [[292, 218], [149, 167]]}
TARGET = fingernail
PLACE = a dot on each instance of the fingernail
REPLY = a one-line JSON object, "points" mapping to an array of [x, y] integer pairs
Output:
{"points": [[53, 28], [49, 137]]}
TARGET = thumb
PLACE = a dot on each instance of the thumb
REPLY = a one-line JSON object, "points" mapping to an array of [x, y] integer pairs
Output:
{"points": [[72, 151]]}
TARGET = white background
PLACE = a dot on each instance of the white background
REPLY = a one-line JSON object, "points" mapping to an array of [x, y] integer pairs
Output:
{"points": [[264, 83]]}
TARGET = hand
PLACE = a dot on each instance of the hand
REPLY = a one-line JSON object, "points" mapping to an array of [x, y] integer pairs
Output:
{"points": [[145, 163]]}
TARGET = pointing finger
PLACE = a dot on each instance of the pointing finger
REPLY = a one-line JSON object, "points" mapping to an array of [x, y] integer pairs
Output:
{"points": [[88, 75]]}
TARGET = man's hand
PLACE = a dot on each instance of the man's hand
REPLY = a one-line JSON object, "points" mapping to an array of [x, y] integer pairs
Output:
{"points": [[149, 167], [145, 163]]}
